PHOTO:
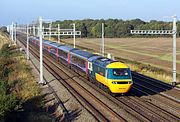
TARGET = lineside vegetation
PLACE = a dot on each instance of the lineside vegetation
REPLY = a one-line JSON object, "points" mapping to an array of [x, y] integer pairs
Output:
{"points": [[20, 98]]}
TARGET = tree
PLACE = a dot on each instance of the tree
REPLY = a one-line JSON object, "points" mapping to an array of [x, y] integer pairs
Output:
{"points": [[116, 27], [84, 30]]}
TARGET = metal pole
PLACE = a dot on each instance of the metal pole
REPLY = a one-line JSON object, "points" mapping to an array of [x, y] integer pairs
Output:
{"points": [[174, 32], [174, 50], [15, 33], [37, 31], [41, 52], [50, 31], [27, 43], [102, 39], [8, 28], [10, 32], [43, 32], [34, 30], [58, 33], [30, 30], [12, 27], [74, 35], [26, 29]]}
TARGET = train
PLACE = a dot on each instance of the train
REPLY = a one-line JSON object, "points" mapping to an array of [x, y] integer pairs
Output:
{"points": [[112, 76]]}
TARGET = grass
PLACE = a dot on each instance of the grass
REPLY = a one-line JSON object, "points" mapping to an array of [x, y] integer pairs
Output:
{"points": [[152, 71], [19, 77], [3, 39], [132, 51], [168, 57]]}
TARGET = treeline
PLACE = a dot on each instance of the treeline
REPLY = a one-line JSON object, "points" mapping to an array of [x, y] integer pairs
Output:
{"points": [[115, 28]]}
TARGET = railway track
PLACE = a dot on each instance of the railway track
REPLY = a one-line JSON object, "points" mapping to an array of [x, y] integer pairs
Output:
{"points": [[99, 109], [158, 87], [139, 109], [157, 101], [158, 91]]}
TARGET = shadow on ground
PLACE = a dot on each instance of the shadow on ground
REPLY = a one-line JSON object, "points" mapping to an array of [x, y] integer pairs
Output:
{"points": [[144, 86], [34, 110]]}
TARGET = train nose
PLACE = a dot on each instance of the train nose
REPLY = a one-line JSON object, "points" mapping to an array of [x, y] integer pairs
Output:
{"points": [[120, 88]]}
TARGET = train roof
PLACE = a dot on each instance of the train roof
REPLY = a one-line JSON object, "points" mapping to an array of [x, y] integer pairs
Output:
{"points": [[66, 48], [108, 63], [47, 42], [103, 61], [94, 57], [32, 37], [81, 53], [56, 44], [117, 64], [37, 38]]}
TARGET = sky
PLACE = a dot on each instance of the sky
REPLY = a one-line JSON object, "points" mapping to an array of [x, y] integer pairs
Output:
{"points": [[25, 11]]}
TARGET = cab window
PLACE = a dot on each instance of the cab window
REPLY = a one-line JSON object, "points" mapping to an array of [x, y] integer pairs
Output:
{"points": [[120, 72]]}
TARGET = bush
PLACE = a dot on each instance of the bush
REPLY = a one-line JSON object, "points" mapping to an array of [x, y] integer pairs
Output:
{"points": [[7, 101], [5, 50]]}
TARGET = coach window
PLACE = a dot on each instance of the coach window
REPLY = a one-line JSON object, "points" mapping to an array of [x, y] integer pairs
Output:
{"points": [[46, 46], [53, 50], [62, 54], [73, 58], [80, 62]]}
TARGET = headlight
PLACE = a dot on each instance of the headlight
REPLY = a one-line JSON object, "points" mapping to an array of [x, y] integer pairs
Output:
{"points": [[114, 82], [122, 82]]}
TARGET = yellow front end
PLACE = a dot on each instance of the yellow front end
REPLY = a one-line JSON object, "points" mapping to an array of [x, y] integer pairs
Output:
{"points": [[115, 88], [119, 88], [117, 82]]}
